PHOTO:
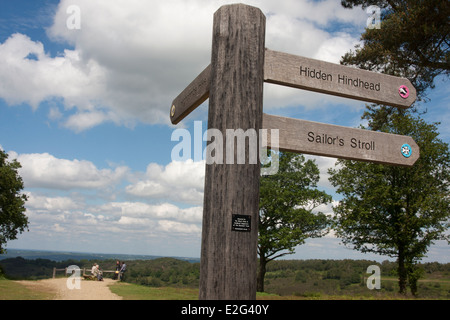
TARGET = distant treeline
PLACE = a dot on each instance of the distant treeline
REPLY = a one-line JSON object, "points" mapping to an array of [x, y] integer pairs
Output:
{"points": [[163, 271], [65, 255], [155, 272], [19, 268]]}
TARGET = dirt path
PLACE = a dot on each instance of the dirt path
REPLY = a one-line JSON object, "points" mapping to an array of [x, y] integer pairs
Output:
{"points": [[89, 290]]}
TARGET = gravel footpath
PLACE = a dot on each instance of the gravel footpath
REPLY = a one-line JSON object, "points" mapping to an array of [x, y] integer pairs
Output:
{"points": [[89, 289]]}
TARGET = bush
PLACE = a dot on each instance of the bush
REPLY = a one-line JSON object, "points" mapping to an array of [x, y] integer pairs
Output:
{"points": [[2, 274], [315, 295], [301, 276]]}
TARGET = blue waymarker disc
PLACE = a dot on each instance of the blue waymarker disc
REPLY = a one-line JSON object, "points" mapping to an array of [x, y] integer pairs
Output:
{"points": [[406, 150]]}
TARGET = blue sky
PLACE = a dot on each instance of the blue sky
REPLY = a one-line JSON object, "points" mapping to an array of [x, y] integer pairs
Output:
{"points": [[86, 112]]}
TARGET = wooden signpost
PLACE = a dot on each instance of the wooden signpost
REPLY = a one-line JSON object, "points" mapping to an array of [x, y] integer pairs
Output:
{"points": [[233, 82]]}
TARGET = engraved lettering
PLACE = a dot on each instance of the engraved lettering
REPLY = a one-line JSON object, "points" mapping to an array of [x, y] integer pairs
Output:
{"points": [[315, 74], [358, 83]]}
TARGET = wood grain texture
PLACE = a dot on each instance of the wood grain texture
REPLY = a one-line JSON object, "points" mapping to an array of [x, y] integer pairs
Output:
{"points": [[334, 79], [320, 139], [229, 258]]}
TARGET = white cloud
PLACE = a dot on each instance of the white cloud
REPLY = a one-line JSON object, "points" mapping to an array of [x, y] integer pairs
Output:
{"points": [[321, 13], [134, 222], [334, 47], [145, 210], [43, 170], [324, 163], [177, 227], [65, 220], [52, 204], [146, 49], [88, 119], [178, 181], [35, 80], [58, 228], [131, 58]]}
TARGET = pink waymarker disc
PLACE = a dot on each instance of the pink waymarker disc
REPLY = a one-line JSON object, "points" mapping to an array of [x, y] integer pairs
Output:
{"points": [[403, 91]]}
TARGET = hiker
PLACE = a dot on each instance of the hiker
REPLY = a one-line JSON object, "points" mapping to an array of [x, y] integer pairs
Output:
{"points": [[99, 274], [118, 267], [94, 270], [123, 268]]}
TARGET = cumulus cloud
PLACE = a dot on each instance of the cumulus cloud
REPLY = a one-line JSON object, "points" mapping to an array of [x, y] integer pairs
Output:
{"points": [[60, 192], [154, 211], [177, 227], [53, 204], [52, 215], [131, 58], [29, 75], [178, 181], [43, 170], [146, 49]]}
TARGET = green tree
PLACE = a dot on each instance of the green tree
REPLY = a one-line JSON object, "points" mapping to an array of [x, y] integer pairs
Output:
{"points": [[409, 205], [12, 202], [396, 211], [287, 201]]}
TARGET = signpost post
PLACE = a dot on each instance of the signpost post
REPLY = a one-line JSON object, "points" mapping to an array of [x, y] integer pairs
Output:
{"points": [[231, 195], [233, 82]]}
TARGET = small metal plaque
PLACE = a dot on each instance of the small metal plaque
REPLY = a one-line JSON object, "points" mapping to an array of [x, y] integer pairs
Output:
{"points": [[241, 223]]}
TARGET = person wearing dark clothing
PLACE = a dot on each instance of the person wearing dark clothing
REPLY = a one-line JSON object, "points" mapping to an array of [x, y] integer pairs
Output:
{"points": [[116, 274], [123, 268]]}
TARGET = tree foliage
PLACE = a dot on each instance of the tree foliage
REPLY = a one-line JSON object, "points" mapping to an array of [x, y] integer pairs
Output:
{"points": [[287, 201], [12, 202], [413, 41]]}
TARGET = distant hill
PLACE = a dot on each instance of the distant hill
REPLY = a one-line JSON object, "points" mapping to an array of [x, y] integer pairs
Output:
{"points": [[64, 256]]}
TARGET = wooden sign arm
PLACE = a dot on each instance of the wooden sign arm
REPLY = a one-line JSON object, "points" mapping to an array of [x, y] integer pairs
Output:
{"points": [[190, 98], [338, 80], [328, 140]]}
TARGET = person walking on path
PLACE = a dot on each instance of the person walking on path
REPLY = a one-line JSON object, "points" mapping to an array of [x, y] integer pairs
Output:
{"points": [[116, 273], [123, 268]]}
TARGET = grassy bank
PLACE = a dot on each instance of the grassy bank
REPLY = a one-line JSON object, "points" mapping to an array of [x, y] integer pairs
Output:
{"points": [[139, 292], [14, 290], [131, 291]]}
